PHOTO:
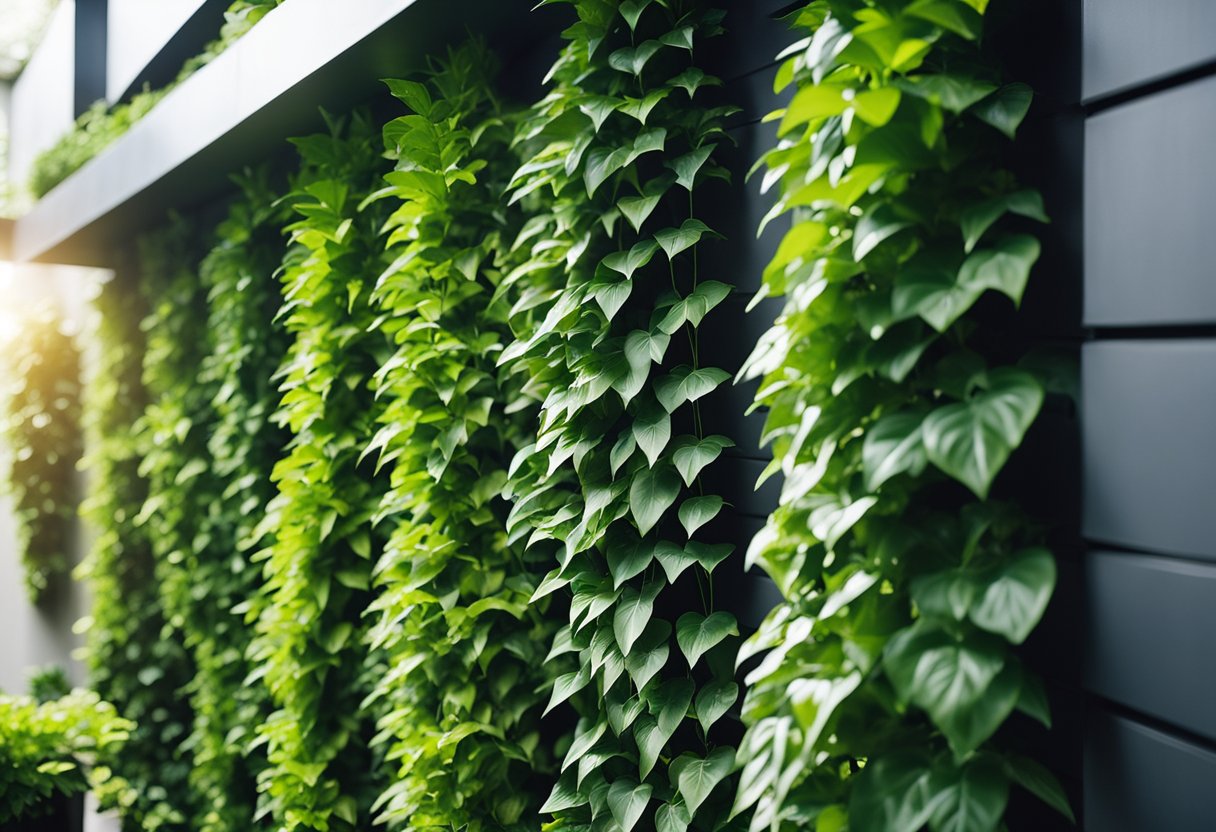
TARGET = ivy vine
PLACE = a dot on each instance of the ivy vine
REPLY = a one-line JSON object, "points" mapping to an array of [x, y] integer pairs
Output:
{"points": [[318, 564], [611, 486], [465, 651], [891, 412], [130, 663], [41, 427]]}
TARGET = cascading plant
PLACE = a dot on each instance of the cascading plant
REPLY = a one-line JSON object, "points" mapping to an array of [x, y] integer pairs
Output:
{"points": [[41, 428], [607, 299], [892, 407], [461, 697]]}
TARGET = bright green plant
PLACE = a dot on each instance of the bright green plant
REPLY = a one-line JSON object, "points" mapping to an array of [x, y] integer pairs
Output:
{"points": [[892, 409], [56, 747], [461, 698], [41, 427], [100, 126], [130, 661], [607, 303], [318, 563]]}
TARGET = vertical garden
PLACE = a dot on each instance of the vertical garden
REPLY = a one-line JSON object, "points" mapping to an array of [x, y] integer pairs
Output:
{"points": [[402, 471]]}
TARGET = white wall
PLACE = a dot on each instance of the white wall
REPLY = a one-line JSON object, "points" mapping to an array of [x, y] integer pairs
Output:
{"points": [[42, 100], [137, 30]]}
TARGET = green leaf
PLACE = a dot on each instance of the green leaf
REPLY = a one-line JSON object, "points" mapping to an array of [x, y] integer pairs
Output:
{"points": [[876, 225], [1040, 782], [692, 455], [626, 801], [651, 494], [812, 102], [1005, 108], [632, 10], [952, 15], [952, 92], [675, 560], [696, 634], [649, 654], [695, 307], [621, 451], [893, 792], [970, 799], [976, 219], [675, 240], [687, 167], [628, 262], [713, 701], [638, 208], [1006, 267], [564, 796], [628, 560], [876, 107], [567, 685], [971, 440], [1016, 597], [651, 740], [695, 512], [634, 60], [598, 108], [633, 613], [601, 163], [950, 676], [652, 429], [612, 296], [947, 594], [672, 817], [893, 445], [695, 778], [685, 384]]}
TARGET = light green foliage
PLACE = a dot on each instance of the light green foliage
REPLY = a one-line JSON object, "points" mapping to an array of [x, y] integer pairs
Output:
{"points": [[100, 126], [889, 668], [460, 699], [130, 661], [60, 746], [318, 561], [607, 299], [40, 423]]}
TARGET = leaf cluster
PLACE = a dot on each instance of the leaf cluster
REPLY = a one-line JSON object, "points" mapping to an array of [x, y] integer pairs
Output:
{"points": [[892, 663]]}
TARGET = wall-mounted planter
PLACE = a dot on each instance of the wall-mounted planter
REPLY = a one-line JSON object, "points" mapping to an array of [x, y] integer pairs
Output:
{"points": [[148, 40]]}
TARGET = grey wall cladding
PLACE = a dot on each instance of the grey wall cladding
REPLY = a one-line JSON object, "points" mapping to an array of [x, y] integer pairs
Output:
{"points": [[1149, 445], [1128, 42], [1149, 626], [1150, 254]]}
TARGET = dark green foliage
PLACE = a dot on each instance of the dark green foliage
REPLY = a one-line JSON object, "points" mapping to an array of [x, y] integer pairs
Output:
{"points": [[131, 661], [41, 426], [891, 411], [609, 298], [462, 693]]}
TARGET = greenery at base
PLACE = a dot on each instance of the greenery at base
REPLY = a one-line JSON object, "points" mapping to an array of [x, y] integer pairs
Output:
{"points": [[101, 125], [42, 433], [56, 747], [892, 408]]}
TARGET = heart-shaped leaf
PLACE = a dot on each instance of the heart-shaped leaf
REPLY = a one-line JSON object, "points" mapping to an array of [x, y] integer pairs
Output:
{"points": [[692, 455], [651, 494], [713, 701], [696, 634], [695, 778], [633, 613], [695, 512], [1014, 600], [626, 801], [684, 384], [652, 429]]}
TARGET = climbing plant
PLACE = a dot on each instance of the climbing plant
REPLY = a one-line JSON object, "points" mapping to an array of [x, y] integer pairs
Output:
{"points": [[607, 301], [464, 649], [131, 662], [894, 400], [318, 564], [58, 747], [41, 426]]}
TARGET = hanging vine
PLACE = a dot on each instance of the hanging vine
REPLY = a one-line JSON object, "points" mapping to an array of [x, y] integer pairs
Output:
{"points": [[318, 563], [130, 663], [891, 413], [41, 427], [465, 651], [609, 300]]}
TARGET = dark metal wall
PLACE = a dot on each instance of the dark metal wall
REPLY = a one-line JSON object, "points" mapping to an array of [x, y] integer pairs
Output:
{"points": [[1149, 414]]}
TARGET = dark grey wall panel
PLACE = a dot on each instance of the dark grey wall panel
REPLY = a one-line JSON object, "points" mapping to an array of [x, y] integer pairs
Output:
{"points": [[1138, 779], [1149, 632], [1150, 254], [1149, 445], [1129, 42]]}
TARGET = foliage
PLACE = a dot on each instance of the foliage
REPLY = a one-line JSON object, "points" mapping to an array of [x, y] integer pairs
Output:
{"points": [[41, 427], [892, 407], [606, 297], [50, 682], [100, 126], [319, 559], [55, 747], [461, 696], [130, 662]]}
